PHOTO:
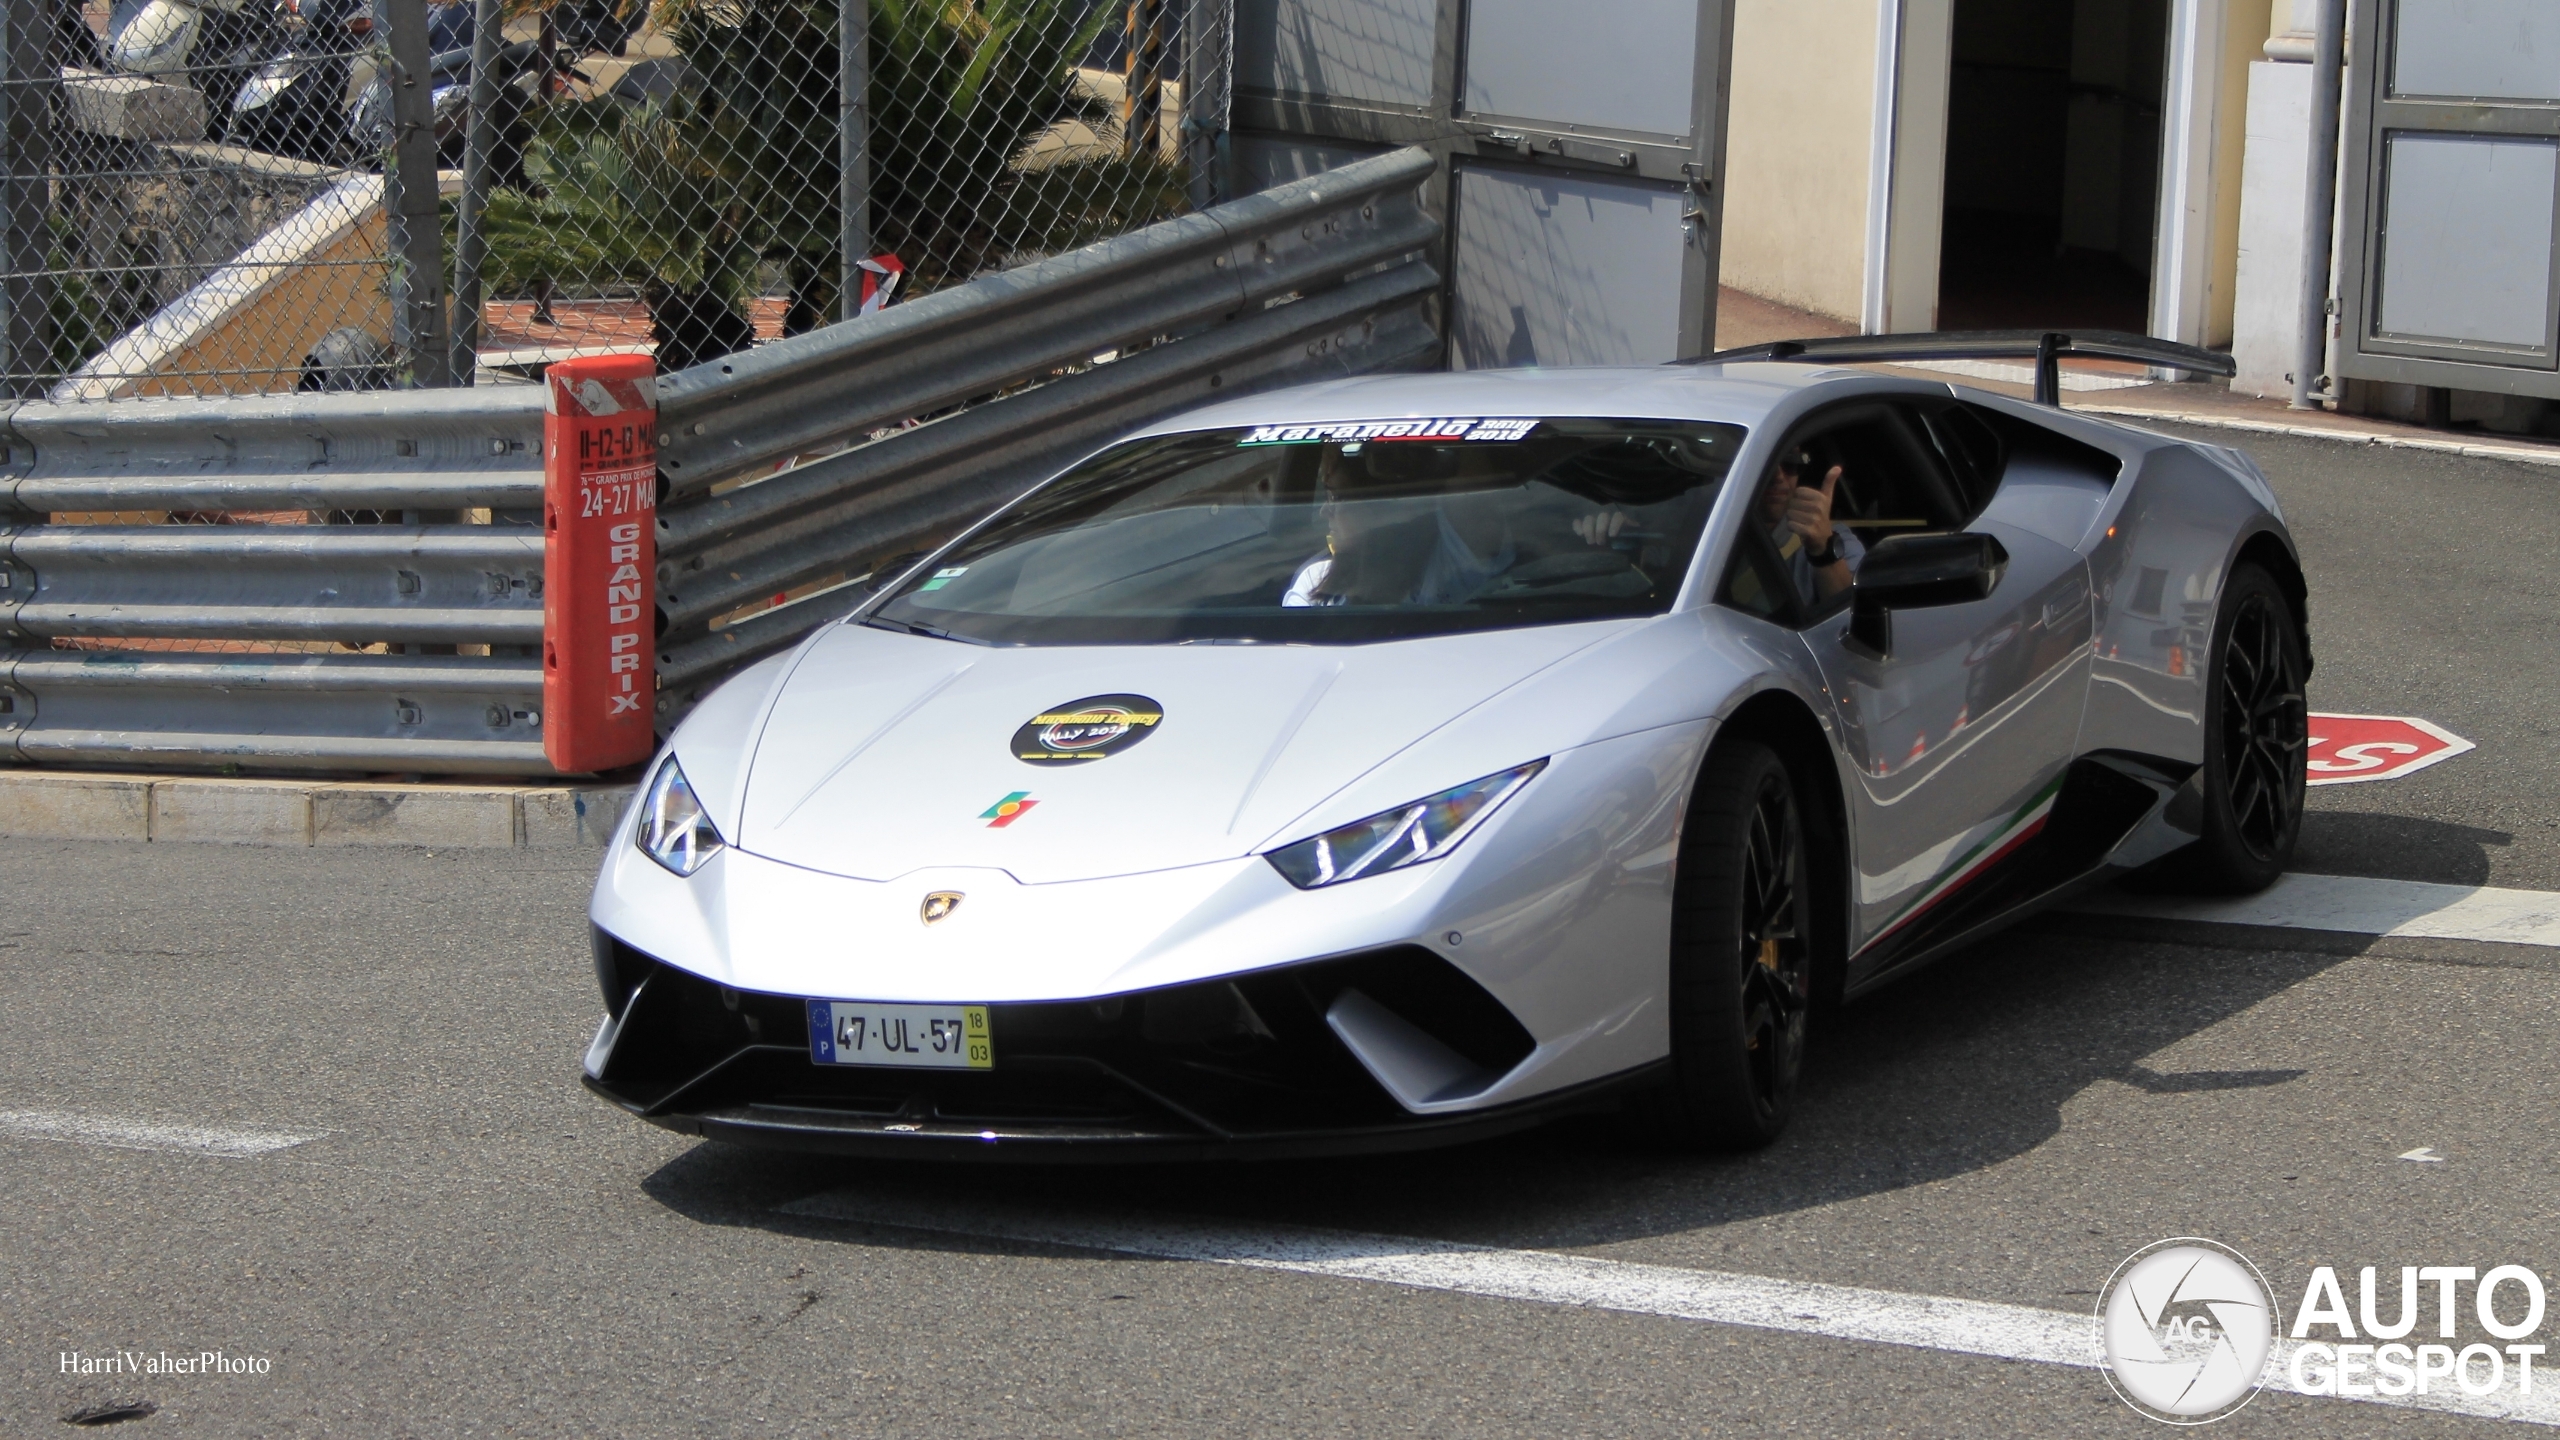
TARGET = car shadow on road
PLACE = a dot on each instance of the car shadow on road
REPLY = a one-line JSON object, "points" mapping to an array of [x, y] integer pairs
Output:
{"points": [[2395, 847], [1957, 1069]]}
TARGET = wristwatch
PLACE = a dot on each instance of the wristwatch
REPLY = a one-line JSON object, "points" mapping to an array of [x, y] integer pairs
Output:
{"points": [[1828, 555]]}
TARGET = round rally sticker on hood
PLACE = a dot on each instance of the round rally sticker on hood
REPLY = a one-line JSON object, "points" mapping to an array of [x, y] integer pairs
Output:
{"points": [[1087, 729]]}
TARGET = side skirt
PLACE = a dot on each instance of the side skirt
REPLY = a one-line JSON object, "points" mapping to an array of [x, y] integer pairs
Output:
{"points": [[2056, 850]]}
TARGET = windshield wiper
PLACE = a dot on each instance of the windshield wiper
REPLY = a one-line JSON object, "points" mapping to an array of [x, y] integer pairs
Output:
{"points": [[929, 632]]}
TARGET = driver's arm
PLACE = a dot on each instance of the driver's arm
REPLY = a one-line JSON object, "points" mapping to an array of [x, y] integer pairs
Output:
{"points": [[1829, 580], [1809, 515]]}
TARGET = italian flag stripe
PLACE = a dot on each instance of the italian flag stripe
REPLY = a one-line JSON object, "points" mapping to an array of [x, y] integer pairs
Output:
{"points": [[2023, 825]]}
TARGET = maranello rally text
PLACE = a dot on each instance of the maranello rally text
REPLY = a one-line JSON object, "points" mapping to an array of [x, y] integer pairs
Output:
{"points": [[2506, 1300]]}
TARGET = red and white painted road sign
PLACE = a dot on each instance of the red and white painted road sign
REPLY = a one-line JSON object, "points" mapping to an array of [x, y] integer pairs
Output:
{"points": [[2350, 749]]}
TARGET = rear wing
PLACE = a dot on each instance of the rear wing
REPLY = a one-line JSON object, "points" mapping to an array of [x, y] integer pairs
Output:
{"points": [[2045, 347]]}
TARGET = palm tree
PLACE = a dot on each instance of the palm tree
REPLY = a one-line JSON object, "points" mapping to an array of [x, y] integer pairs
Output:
{"points": [[958, 90]]}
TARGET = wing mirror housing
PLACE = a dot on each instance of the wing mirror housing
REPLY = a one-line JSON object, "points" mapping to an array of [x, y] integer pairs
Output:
{"points": [[1912, 572]]}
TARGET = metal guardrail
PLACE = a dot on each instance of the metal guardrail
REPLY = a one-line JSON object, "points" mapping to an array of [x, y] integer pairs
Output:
{"points": [[420, 509], [453, 715], [1242, 290], [426, 584], [382, 450]]}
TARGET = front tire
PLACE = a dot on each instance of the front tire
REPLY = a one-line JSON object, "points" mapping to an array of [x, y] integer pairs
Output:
{"points": [[1741, 955], [2257, 740]]}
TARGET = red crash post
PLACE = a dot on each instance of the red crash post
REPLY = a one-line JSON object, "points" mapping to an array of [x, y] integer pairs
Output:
{"points": [[599, 561]]}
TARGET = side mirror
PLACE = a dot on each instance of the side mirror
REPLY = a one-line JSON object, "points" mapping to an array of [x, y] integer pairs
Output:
{"points": [[1912, 572]]}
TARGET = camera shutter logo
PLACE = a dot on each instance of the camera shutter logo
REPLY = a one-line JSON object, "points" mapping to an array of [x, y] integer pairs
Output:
{"points": [[2185, 1327]]}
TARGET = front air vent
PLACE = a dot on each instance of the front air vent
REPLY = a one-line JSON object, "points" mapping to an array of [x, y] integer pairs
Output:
{"points": [[1434, 997]]}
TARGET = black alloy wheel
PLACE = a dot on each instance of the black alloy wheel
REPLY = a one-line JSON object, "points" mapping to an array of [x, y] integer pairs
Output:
{"points": [[2257, 742], [1741, 955], [2264, 724]]}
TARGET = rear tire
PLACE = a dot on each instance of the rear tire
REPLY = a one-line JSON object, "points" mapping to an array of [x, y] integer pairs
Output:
{"points": [[2257, 740], [1741, 955]]}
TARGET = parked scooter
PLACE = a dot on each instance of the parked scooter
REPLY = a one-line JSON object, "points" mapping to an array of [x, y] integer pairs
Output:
{"points": [[212, 45], [296, 103], [527, 79]]}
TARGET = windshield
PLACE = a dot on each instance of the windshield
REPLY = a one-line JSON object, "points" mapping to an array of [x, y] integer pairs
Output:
{"points": [[1335, 534]]}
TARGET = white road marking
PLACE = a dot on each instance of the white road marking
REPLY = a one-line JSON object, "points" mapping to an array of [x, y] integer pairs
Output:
{"points": [[118, 1134], [2362, 907], [1839, 1312], [2424, 1155]]}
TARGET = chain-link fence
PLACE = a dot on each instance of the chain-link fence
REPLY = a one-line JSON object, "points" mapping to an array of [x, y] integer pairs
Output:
{"points": [[204, 196], [140, 252], [200, 200]]}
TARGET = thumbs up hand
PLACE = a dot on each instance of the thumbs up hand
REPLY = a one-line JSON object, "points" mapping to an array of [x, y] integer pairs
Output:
{"points": [[1809, 511]]}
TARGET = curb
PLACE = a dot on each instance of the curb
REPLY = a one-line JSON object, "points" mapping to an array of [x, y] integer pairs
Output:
{"points": [[2540, 455], [90, 805]]}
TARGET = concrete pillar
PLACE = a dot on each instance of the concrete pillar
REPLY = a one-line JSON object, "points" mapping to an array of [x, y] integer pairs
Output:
{"points": [[2274, 176]]}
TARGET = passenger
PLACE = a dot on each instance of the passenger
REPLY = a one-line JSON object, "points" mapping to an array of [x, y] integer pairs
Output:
{"points": [[1352, 555], [1821, 559]]}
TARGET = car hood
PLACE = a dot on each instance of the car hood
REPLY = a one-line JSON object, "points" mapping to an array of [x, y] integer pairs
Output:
{"points": [[886, 754]]}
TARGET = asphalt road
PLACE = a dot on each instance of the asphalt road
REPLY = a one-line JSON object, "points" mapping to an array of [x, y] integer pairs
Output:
{"points": [[470, 1244], [2434, 593]]}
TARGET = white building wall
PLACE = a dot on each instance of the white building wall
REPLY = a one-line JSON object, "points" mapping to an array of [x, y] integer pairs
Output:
{"points": [[1796, 151]]}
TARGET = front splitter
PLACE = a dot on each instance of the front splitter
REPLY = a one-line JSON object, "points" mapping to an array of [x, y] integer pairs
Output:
{"points": [[813, 1131]]}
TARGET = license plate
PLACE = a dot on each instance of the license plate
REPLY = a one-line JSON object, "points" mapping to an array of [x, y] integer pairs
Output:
{"points": [[923, 1037]]}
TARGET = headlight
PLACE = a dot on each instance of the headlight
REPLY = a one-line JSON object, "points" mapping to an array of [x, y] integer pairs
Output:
{"points": [[674, 830], [267, 84], [1392, 839]]}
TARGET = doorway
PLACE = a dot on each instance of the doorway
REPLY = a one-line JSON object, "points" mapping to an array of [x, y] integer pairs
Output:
{"points": [[2053, 163]]}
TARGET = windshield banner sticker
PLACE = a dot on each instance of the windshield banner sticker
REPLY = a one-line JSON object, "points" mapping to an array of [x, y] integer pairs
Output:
{"points": [[1358, 430], [1086, 729]]}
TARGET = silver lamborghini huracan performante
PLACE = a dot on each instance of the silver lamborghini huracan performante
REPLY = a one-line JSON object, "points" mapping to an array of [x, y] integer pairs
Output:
{"points": [[1405, 759]]}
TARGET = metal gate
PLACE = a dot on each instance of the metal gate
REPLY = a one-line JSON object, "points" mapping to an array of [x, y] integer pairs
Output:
{"points": [[1585, 147], [2448, 271]]}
